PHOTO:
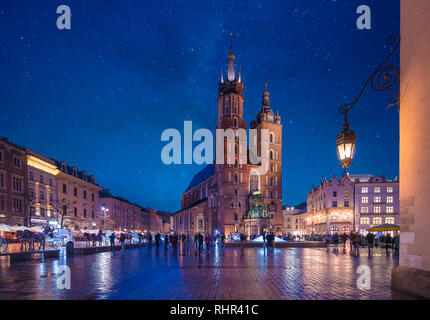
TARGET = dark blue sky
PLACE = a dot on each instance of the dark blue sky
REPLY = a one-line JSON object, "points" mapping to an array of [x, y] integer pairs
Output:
{"points": [[99, 95]]}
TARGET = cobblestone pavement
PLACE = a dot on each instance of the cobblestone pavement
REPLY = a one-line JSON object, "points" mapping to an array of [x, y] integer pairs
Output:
{"points": [[222, 273]]}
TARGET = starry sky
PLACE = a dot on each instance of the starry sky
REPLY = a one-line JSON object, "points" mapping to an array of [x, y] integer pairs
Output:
{"points": [[99, 95]]}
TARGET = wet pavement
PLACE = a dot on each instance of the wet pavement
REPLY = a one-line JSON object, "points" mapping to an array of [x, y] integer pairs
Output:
{"points": [[221, 273]]}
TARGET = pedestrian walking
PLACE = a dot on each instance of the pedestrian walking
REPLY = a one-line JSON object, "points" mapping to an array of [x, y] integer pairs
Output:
{"points": [[336, 240], [200, 241], [112, 240], [396, 243], [370, 237], [122, 240], [208, 241], [388, 242], [166, 241], [327, 239], [264, 239], [351, 240], [356, 242]]}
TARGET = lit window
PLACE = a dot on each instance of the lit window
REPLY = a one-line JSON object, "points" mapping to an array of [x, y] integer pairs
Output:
{"points": [[377, 199], [365, 210], [390, 210], [346, 194], [390, 190], [364, 200], [365, 190], [377, 190], [377, 210], [377, 220], [389, 220], [364, 221], [390, 199]]}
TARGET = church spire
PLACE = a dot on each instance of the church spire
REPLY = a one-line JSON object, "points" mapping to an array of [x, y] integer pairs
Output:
{"points": [[266, 99], [231, 72]]}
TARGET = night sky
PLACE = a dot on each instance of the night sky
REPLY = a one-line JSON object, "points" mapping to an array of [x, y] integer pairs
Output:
{"points": [[99, 95]]}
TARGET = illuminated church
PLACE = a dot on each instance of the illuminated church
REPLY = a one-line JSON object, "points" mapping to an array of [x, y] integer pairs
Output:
{"points": [[230, 198]]}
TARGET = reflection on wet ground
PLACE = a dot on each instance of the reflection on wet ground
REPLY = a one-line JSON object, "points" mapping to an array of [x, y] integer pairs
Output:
{"points": [[221, 273]]}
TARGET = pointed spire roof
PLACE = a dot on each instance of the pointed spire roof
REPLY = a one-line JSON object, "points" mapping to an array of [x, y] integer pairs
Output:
{"points": [[266, 100], [231, 72]]}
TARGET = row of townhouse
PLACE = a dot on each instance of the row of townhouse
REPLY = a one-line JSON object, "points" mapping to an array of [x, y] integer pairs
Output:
{"points": [[354, 202], [37, 190]]}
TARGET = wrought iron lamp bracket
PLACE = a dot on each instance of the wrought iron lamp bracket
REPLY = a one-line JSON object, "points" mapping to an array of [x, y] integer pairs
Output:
{"points": [[384, 78]]}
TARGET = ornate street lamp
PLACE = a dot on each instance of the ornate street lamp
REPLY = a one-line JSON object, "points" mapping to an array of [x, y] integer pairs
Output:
{"points": [[345, 142], [384, 78]]}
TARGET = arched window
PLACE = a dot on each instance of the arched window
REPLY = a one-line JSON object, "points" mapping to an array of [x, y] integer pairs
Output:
{"points": [[271, 155], [235, 122], [235, 217], [236, 177], [272, 137]]}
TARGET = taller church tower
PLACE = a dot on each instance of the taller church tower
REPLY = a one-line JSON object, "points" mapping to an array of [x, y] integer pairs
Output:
{"points": [[232, 179]]}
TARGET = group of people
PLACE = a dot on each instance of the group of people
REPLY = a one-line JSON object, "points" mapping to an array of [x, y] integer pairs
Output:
{"points": [[269, 238], [199, 241], [122, 238], [356, 240]]}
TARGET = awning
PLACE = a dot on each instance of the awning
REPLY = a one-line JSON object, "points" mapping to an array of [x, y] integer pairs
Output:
{"points": [[385, 227], [6, 228], [19, 228], [36, 229]]}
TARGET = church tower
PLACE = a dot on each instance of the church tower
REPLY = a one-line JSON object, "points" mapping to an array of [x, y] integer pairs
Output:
{"points": [[232, 179], [230, 97], [271, 182]]}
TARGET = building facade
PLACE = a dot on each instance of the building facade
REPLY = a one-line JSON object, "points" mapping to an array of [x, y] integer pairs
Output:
{"points": [[413, 273], [295, 220], [355, 202], [77, 198], [13, 186], [237, 196], [377, 202], [42, 189], [119, 214], [330, 207]]}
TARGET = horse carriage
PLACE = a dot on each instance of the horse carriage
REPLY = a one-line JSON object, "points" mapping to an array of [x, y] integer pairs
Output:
{"points": [[94, 237], [3, 245], [3, 240], [54, 237]]}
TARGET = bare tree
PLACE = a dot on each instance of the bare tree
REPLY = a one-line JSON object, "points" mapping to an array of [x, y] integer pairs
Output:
{"points": [[63, 208], [32, 204]]}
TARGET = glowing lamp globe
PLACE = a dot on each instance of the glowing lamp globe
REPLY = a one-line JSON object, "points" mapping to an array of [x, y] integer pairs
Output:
{"points": [[345, 142]]}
